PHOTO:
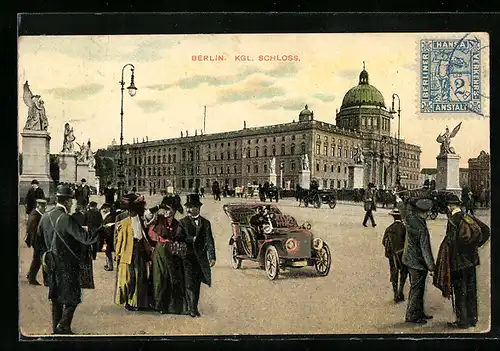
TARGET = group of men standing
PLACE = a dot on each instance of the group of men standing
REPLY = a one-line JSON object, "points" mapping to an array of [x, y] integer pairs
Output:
{"points": [[408, 249]]}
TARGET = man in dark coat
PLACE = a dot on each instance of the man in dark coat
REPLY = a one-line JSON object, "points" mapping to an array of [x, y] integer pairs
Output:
{"points": [[109, 194], [107, 234], [94, 222], [64, 237], [394, 241], [196, 232], [34, 241], [417, 256], [33, 194], [83, 194], [370, 204], [463, 261]]}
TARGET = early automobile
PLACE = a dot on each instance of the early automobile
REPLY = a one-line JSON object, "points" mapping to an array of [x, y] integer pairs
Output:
{"points": [[280, 244]]}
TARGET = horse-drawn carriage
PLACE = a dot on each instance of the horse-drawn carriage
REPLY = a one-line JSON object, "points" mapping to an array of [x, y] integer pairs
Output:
{"points": [[283, 244], [318, 197]]}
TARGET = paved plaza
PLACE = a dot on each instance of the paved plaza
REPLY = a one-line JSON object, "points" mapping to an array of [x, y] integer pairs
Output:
{"points": [[356, 297]]}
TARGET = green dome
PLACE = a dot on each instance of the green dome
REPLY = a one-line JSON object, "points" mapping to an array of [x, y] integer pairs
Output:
{"points": [[363, 94]]}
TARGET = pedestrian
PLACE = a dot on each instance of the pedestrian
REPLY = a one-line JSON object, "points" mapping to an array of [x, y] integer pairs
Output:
{"points": [[196, 232], [107, 234], [393, 241], [109, 194], [94, 222], [63, 239], [35, 241], [168, 273], [370, 205], [470, 203], [417, 255], [457, 261], [133, 252], [83, 194], [33, 194]]}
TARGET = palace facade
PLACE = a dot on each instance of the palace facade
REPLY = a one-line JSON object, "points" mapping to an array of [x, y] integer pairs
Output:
{"points": [[243, 156]]}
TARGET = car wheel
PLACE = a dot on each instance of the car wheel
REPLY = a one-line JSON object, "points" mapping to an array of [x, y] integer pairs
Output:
{"points": [[332, 204], [272, 262], [323, 260], [235, 261]]}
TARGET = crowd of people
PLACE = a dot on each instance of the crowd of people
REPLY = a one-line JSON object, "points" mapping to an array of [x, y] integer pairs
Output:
{"points": [[408, 249], [160, 261]]}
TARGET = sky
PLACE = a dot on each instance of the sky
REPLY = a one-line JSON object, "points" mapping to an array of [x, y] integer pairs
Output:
{"points": [[78, 77]]}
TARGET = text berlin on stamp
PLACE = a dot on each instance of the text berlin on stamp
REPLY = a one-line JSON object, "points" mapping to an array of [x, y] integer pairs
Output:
{"points": [[450, 75]]}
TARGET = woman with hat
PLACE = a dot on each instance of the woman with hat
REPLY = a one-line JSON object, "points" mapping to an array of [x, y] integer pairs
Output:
{"points": [[133, 251], [393, 241], [417, 255], [168, 273]]}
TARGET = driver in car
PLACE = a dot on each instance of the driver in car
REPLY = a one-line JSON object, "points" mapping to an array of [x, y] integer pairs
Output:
{"points": [[262, 221]]}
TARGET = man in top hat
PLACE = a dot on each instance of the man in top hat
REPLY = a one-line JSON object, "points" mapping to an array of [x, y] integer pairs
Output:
{"points": [[83, 194], [33, 194], [35, 241], [196, 232], [109, 194], [107, 233], [94, 222], [64, 237], [370, 204], [461, 261], [394, 241], [417, 256]]}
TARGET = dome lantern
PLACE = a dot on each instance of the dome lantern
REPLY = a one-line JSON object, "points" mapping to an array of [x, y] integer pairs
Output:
{"points": [[305, 114], [363, 93]]}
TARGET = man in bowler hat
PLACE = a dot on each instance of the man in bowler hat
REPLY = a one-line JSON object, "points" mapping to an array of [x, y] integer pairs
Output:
{"points": [[417, 256], [33, 194], [196, 232], [394, 241], [64, 237], [33, 240]]}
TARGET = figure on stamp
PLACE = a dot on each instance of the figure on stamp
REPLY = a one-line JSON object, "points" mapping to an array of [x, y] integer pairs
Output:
{"points": [[37, 120], [444, 140], [69, 138]]}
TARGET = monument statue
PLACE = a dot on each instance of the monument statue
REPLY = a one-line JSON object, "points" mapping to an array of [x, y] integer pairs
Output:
{"points": [[305, 163], [272, 167], [37, 119], [358, 155], [81, 155], [69, 138], [90, 156], [444, 140]]}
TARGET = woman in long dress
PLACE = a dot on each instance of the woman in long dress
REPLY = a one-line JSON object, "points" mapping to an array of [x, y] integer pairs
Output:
{"points": [[168, 274]]}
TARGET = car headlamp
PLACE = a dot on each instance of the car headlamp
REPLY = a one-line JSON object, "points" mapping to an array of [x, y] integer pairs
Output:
{"points": [[291, 244], [317, 244]]}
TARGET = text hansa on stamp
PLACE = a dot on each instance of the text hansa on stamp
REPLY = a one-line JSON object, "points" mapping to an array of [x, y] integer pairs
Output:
{"points": [[450, 75]]}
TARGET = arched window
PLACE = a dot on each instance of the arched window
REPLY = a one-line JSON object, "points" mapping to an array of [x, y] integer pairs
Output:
{"points": [[292, 149], [324, 168], [256, 168], [325, 149], [208, 170], [282, 149], [274, 150], [265, 168], [248, 152], [257, 151], [235, 169], [265, 152]]}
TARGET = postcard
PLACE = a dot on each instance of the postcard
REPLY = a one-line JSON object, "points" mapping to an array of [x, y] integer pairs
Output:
{"points": [[236, 184]]}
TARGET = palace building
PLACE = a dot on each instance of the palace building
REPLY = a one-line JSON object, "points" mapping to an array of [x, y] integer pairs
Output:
{"points": [[243, 156]]}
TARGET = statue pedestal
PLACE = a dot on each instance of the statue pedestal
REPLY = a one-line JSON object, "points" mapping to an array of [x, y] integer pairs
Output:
{"points": [[67, 167], [82, 171], [356, 173], [92, 181], [305, 179], [273, 178], [447, 177], [36, 160]]}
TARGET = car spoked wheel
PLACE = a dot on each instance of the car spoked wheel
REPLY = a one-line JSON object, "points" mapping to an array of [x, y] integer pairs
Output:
{"points": [[323, 260], [235, 261], [272, 262]]}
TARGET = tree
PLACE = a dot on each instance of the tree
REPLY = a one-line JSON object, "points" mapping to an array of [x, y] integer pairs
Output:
{"points": [[105, 166]]}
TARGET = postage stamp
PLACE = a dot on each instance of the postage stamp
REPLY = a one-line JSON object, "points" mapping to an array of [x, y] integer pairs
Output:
{"points": [[235, 184], [450, 75]]}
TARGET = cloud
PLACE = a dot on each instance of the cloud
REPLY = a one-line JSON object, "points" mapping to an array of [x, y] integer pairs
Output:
{"points": [[350, 74], [250, 91], [80, 92], [283, 70], [150, 106], [159, 87], [324, 97], [286, 104], [410, 67]]}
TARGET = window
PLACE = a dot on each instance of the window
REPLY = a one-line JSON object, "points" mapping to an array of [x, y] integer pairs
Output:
{"points": [[325, 149], [324, 168], [331, 168], [215, 157], [249, 142], [228, 144], [292, 149], [208, 170], [325, 183], [338, 169], [274, 139], [257, 151], [164, 159], [256, 168], [265, 140], [265, 151], [235, 169], [197, 155], [215, 170], [346, 153], [303, 136], [248, 153], [221, 155], [317, 167], [333, 150], [352, 154], [235, 155], [282, 149], [248, 168], [293, 137], [183, 154], [175, 158], [221, 170], [339, 153], [149, 160], [209, 157], [274, 150], [256, 141], [318, 148], [227, 170], [292, 166], [265, 168], [338, 184], [345, 169], [282, 138]]}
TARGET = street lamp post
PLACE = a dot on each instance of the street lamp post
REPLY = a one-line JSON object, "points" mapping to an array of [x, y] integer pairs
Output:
{"points": [[131, 90], [398, 175]]}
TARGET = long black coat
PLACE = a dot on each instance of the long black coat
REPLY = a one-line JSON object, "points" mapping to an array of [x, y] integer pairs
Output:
{"points": [[32, 239], [461, 256], [31, 197], [200, 242], [394, 239], [64, 283]]}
